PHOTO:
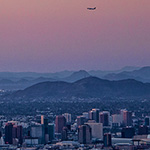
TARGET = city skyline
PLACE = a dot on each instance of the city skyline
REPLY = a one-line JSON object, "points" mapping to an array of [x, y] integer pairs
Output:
{"points": [[50, 36]]}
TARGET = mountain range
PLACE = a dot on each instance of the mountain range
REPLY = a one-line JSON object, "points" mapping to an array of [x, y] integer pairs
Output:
{"points": [[90, 87], [142, 74], [16, 81]]}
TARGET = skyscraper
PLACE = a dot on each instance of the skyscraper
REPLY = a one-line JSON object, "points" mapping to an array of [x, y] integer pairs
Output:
{"points": [[80, 120], [13, 132], [42, 119], [84, 134], [147, 121], [94, 115], [117, 119], [37, 131], [8, 133], [60, 122], [51, 131], [68, 117], [20, 134], [64, 134], [104, 118], [127, 118], [46, 135]]}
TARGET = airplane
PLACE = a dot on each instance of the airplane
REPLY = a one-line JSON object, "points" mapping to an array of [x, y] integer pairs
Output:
{"points": [[91, 8]]}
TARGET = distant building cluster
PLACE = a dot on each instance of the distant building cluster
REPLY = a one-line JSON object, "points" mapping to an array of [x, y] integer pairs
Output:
{"points": [[91, 130]]}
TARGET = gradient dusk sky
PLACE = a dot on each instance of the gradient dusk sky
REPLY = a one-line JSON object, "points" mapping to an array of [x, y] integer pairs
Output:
{"points": [[55, 35]]}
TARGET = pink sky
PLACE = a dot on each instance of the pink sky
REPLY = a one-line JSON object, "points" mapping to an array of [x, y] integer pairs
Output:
{"points": [[54, 35]]}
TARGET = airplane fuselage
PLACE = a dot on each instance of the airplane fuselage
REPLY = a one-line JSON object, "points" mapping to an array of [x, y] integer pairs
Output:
{"points": [[91, 8]]}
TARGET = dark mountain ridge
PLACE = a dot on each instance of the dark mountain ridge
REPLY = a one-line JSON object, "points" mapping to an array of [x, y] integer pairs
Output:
{"points": [[90, 87]]}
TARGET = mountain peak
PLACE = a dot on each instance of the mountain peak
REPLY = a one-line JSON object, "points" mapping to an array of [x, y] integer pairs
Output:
{"points": [[77, 76], [81, 73]]}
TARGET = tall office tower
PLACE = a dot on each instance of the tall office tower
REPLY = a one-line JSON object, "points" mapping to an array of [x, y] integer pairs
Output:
{"points": [[45, 127], [42, 119], [84, 134], [51, 131], [86, 115], [17, 133], [20, 134], [117, 119], [14, 131], [104, 118], [8, 133], [143, 130], [60, 122], [147, 121], [37, 131], [68, 117], [97, 130], [127, 132], [94, 115], [64, 134], [80, 120], [127, 118], [107, 140]]}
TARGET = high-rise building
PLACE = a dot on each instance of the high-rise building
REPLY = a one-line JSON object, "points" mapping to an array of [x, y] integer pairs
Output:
{"points": [[127, 118], [20, 134], [51, 131], [97, 130], [46, 134], [107, 140], [94, 115], [68, 117], [60, 122], [37, 131], [42, 119], [17, 133], [80, 120], [147, 121], [84, 134], [104, 118], [8, 133], [13, 132], [117, 119], [64, 134]]}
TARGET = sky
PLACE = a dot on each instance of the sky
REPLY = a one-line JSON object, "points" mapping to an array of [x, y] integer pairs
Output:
{"points": [[56, 35]]}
